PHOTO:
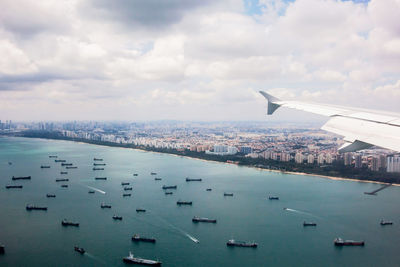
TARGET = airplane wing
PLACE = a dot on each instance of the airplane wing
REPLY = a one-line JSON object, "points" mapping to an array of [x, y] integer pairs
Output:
{"points": [[361, 128]]}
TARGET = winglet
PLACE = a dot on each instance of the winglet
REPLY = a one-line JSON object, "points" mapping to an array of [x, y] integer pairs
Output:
{"points": [[272, 105]]}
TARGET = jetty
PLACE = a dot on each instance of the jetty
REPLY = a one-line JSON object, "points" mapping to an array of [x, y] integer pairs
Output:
{"points": [[377, 190]]}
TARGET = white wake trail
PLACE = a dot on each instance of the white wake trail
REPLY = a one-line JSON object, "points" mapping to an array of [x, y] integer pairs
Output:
{"points": [[96, 189]]}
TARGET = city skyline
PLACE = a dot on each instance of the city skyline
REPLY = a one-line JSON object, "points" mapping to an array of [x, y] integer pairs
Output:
{"points": [[146, 60]]}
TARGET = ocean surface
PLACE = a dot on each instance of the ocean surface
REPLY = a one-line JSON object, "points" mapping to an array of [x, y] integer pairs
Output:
{"points": [[36, 238]]}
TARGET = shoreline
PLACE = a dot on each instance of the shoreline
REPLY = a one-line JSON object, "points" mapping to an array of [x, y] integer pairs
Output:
{"points": [[215, 161]]}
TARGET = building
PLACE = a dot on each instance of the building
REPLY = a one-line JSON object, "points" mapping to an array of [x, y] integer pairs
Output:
{"points": [[298, 158], [393, 164], [321, 159], [310, 159], [348, 158], [246, 150], [358, 161]]}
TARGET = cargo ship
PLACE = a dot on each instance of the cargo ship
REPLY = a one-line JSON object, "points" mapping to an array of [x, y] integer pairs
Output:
{"points": [[60, 160], [169, 187], [137, 237], [98, 169], [99, 164], [340, 242], [157, 179], [234, 243], [383, 222], [98, 159], [126, 195], [68, 223], [115, 217], [105, 206], [13, 186], [228, 194], [193, 179], [53, 157], [62, 180], [63, 172], [168, 193], [71, 167], [134, 260], [21, 178], [66, 164], [100, 178], [50, 195], [140, 210], [127, 188], [273, 198], [80, 250], [207, 220], [309, 224], [33, 207], [124, 183], [45, 167], [179, 202], [64, 185]]}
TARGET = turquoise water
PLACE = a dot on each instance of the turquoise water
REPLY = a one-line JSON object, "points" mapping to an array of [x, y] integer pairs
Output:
{"points": [[37, 238]]}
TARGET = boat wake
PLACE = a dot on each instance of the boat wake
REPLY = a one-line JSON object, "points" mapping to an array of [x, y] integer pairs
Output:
{"points": [[95, 258], [96, 189], [302, 212]]}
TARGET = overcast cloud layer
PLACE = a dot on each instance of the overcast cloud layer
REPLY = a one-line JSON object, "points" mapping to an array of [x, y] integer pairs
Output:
{"points": [[193, 60]]}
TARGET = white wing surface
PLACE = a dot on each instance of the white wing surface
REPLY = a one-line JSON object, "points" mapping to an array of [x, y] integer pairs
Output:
{"points": [[361, 128]]}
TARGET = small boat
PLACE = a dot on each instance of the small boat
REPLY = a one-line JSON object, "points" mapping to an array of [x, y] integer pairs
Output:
{"points": [[64, 185], [33, 207], [100, 178], [207, 220], [68, 223], [91, 191], [105, 206], [13, 186], [340, 242], [273, 198], [169, 187], [228, 194], [45, 167], [383, 222], [140, 210], [134, 260], [234, 243], [126, 195], [50, 195], [115, 217], [309, 224], [168, 193], [80, 250], [124, 183], [137, 237], [179, 202], [128, 188]]}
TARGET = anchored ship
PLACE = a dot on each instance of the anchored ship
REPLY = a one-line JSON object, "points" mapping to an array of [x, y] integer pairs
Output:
{"points": [[99, 164], [91, 191], [137, 237], [153, 173], [128, 188], [234, 243], [168, 193], [13, 186], [21, 178], [157, 179], [126, 195], [115, 217], [80, 250], [60, 160], [228, 194], [68, 223], [105, 206], [62, 180], [71, 167], [63, 172], [97, 159], [193, 179], [124, 183], [98, 169], [383, 222], [169, 187], [33, 207], [100, 178], [50, 195], [134, 260], [340, 242], [140, 210], [45, 167], [64, 185], [135, 174], [273, 198], [53, 157], [179, 202], [207, 220], [66, 164], [309, 224]]}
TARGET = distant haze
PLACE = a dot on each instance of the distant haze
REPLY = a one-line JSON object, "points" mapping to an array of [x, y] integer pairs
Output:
{"points": [[194, 60]]}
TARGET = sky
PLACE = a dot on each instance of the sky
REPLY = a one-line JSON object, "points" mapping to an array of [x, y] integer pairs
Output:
{"points": [[194, 60]]}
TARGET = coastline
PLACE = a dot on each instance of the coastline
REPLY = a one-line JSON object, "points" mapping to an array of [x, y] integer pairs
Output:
{"points": [[215, 161]]}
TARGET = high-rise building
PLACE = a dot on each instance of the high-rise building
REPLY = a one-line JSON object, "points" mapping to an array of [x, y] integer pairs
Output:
{"points": [[375, 164], [393, 164], [310, 159], [298, 158], [321, 158], [358, 161], [348, 158], [246, 150]]}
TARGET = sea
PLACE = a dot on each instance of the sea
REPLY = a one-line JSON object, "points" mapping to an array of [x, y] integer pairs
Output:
{"points": [[36, 238]]}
